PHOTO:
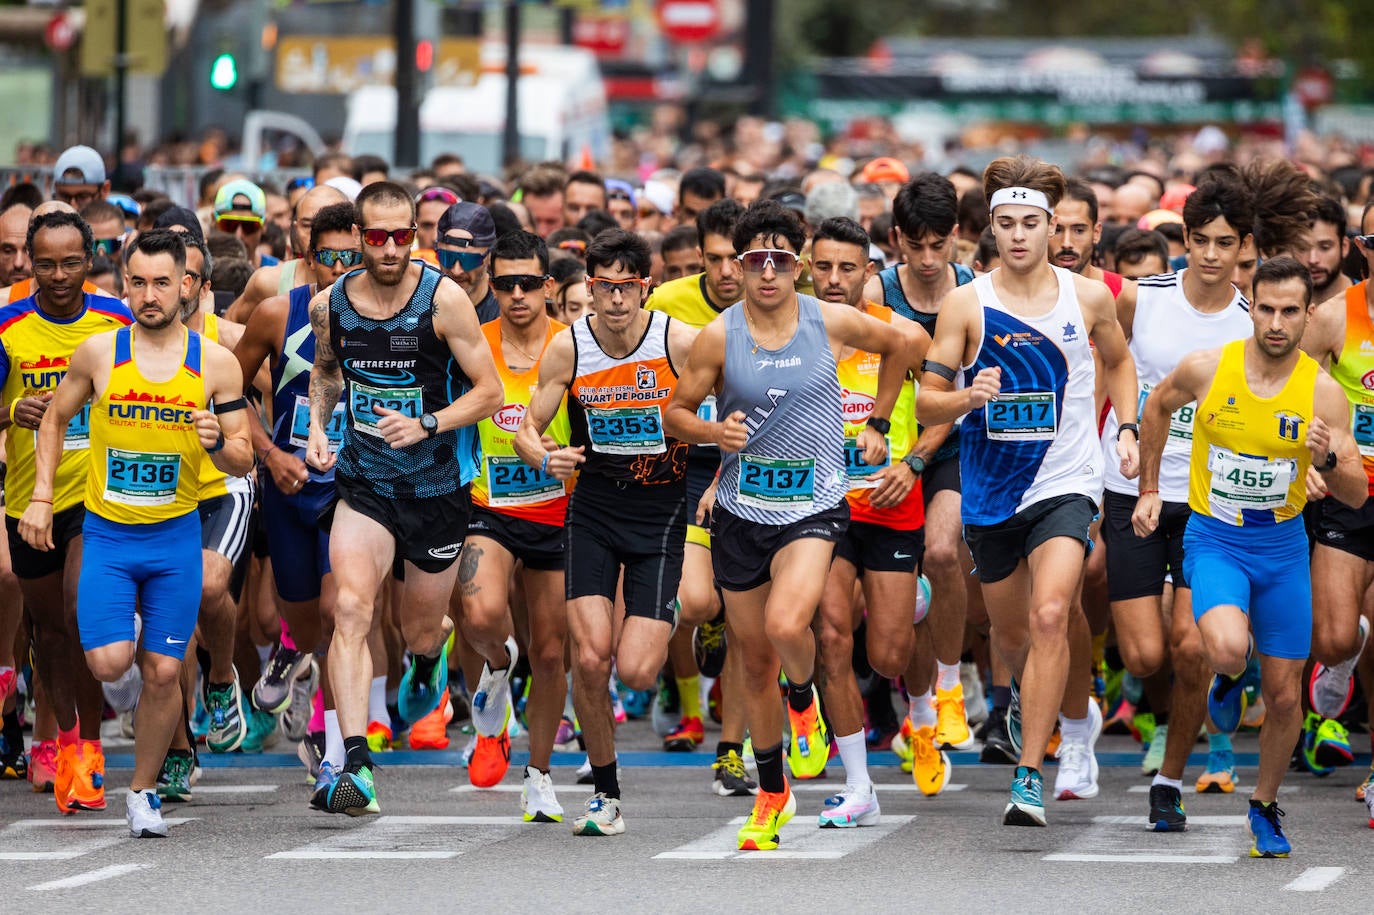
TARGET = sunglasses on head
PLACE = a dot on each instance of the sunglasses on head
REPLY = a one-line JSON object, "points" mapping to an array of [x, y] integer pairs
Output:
{"points": [[1366, 240], [107, 246], [296, 184], [467, 260], [527, 282], [437, 193], [328, 257], [235, 222], [619, 195], [608, 287], [761, 259], [376, 238]]}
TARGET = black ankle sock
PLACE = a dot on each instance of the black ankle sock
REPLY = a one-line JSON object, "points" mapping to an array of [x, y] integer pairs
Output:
{"points": [[12, 731], [605, 781], [799, 696], [723, 747], [1001, 697], [770, 769], [357, 755], [1161, 719], [424, 666]]}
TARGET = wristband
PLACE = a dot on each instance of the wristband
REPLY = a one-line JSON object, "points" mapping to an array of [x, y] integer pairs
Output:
{"points": [[13, 404], [219, 444], [44, 501], [544, 464], [262, 455], [1135, 430], [1146, 492]]}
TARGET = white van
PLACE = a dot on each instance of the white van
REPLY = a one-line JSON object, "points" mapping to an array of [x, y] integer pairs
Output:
{"points": [[562, 102]]}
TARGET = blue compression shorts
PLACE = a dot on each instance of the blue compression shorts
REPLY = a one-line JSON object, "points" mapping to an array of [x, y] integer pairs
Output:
{"points": [[298, 546]]}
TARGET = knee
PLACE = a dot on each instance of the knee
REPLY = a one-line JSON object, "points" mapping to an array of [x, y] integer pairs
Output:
{"points": [[1284, 701], [1049, 619], [593, 662], [546, 658], [161, 672], [637, 676], [889, 657], [837, 648], [1142, 656], [784, 629], [1331, 647], [941, 558], [1189, 659], [698, 601], [109, 664], [484, 620]]}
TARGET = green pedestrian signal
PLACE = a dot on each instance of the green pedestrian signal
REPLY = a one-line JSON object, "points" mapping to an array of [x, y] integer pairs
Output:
{"points": [[224, 73]]}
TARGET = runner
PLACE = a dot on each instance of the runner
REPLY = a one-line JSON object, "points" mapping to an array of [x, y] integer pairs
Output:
{"points": [[148, 439], [280, 279], [405, 340], [37, 338], [465, 235], [79, 177], [627, 515], [1268, 414], [240, 210], [780, 505], [1021, 335]]}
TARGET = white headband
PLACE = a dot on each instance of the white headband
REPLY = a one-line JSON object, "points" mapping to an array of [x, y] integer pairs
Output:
{"points": [[1022, 195]]}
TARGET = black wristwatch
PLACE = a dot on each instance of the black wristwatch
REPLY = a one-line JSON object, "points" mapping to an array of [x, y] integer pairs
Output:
{"points": [[1330, 462], [430, 424], [882, 425], [915, 462], [1135, 430]]}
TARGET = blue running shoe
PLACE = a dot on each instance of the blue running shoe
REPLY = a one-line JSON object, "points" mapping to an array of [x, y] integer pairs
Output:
{"points": [[354, 793], [1014, 721], [1027, 804], [1270, 842], [415, 700], [324, 782], [1226, 702]]}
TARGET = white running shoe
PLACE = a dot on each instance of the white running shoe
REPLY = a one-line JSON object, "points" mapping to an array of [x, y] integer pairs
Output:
{"points": [[601, 819], [492, 698], [144, 814], [854, 806], [975, 700], [295, 720], [1332, 688], [538, 801], [1077, 776]]}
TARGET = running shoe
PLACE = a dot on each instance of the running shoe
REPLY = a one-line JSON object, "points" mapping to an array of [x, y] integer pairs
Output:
{"points": [[686, 736], [665, 709], [431, 731], [228, 725], [731, 779], [952, 733], [262, 732], [565, 738], [1331, 688], [9, 680], [810, 740], [66, 776], [311, 753], [1226, 702], [1220, 777], [417, 699], [325, 777], [538, 800], [618, 711], [1369, 805], [708, 646], [601, 819], [43, 765], [174, 781], [490, 758], [1366, 787], [354, 793], [901, 744], [637, 702], [1077, 776], [1253, 719], [584, 771], [379, 734], [491, 701], [14, 763], [771, 812], [1270, 842], [1026, 806], [930, 767], [715, 700], [295, 721], [1154, 756], [855, 805], [1014, 720], [997, 745], [975, 700], [143, 813], [1325, 745], [272, 692], [1166, 809]]}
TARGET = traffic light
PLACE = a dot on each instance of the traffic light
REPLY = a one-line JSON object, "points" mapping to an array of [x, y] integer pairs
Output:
{"points": [[424, 55], [224, 72]]}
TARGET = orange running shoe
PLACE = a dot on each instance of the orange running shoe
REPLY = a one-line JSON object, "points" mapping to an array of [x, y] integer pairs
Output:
{"points": [[490, 759], [43, 766], [87, 790], [686, 736], [810, 748], [66, 776], [379, 735], [430, 732]]}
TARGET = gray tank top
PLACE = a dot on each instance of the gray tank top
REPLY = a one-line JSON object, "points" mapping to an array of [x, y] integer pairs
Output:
{"points": [[792, 466]]}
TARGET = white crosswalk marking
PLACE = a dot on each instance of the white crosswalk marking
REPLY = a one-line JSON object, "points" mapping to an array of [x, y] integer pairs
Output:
{"points": [[407, 837], [801, 838], [1315, 879], [64, 839], [1128, 840]]}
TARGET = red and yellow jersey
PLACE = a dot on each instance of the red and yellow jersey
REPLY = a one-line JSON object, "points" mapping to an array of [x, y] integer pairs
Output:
{"points": [[26, 288], [616, 407], [145, 457], [1250, 457], [1354, 370], [34, 353], [504, 483], [858, 375]]}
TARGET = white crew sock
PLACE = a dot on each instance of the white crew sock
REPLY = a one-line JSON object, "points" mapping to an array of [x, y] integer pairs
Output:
{"points": [[948, 676], [1175, 783], [854, 756], [921, 710], [1078, 729], [376, 701], [333, 740]]}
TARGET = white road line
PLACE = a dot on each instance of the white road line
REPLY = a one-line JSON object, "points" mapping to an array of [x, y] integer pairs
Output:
{"points": [[233, 789], [799, 839], [448, 821], [328, 854], [95, 876], [1315, 879], [1141, 858], [400, 838], [516, 789]]}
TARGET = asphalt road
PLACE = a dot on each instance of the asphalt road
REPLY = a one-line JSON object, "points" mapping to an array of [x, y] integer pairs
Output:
{"points": [[248, 843]]}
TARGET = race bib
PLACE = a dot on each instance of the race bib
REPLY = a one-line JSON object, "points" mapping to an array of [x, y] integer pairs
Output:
{"points": [[510, 481], [1180, 437], [777, 484], [141, 477], [78, 437], [861, 474], [707, 411], [1028, 416], [1240, 483], [300, 424], [1362, 422], [366, 400], [626, 430]]}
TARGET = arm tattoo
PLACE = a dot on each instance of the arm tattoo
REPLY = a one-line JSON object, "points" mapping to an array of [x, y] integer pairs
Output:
{"points": [[326, 376]]}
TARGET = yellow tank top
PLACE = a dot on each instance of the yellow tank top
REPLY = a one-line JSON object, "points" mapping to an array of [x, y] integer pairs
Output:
{"points": [[145, 454], [213, 481], [504, 483], [35, 351], [1354, 371], [1250, 458]]}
